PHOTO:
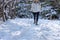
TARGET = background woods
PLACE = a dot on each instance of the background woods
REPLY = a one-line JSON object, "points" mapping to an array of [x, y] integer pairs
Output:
{"points": [[7, 9], [10, 9]]}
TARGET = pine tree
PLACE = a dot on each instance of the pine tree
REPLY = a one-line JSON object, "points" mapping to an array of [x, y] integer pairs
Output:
{"points": [[22, 8]]}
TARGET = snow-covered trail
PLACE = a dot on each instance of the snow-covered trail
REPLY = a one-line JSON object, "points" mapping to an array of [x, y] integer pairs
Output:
{"points": [[24, 29]]}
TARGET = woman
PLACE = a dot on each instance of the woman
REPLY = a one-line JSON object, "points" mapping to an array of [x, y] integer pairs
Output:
{"points": [[35, 8]]}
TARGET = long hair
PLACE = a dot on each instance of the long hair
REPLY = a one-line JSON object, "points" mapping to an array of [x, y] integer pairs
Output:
{"points": [[36, 1]]}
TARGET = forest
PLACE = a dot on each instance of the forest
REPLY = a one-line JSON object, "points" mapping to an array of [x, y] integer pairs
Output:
{"points": [[10, 9]]}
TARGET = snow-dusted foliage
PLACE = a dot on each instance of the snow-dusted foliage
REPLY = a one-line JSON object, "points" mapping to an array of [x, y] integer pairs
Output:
{"points": [[23, 10]]}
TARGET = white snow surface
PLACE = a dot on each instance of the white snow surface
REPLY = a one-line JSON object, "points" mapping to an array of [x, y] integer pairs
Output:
{"points": [[24, 29]]}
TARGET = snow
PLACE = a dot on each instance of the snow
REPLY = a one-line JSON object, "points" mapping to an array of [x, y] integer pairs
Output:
{"points": [[24, 29], [1, 21]]}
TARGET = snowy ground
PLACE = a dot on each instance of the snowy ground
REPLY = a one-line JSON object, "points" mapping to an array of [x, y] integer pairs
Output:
{"points": [[24, 29], [1, 22]]}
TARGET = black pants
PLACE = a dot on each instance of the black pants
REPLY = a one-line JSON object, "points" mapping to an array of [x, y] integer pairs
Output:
{"points": [[36, 16]]}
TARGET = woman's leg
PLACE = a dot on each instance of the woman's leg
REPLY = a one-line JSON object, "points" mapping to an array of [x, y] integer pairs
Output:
{"points": [[34, 14], [37, 16]]}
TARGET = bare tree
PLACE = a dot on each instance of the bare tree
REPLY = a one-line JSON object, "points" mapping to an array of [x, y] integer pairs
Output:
{"points": [[7, 8], [3, 15]]}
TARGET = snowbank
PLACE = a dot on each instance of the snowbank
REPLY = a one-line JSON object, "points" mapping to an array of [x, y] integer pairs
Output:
{"points": [[24, 29]]}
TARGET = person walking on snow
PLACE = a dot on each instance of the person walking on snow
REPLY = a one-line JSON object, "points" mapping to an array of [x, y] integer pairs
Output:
{"points": [[35, 9]]}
